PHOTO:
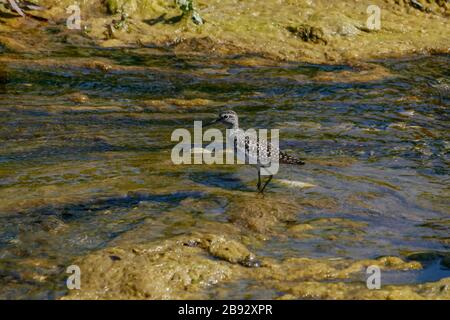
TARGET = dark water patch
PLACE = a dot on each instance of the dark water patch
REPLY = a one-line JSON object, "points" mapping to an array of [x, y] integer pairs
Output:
{"points": [[92, 82], [76, 150], [431, 272], [243, 290], [223, 180], [377, 151], [76, 211], [127, 56], [58, 234]]}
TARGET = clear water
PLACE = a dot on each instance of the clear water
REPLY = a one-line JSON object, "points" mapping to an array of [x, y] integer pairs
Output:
{"points": [[66, 172]]}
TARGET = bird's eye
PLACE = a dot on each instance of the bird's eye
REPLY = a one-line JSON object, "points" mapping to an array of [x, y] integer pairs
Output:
{"points": [[225, 116]]}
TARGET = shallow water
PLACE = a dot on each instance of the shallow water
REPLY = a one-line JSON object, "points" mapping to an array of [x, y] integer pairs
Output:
{"points": [[377, 152]]}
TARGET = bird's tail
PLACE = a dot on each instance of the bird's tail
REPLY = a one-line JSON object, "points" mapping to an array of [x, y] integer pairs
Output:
{"points": [[288, 159]]}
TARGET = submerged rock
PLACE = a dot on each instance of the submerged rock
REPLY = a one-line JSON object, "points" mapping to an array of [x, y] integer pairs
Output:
{"points": [[161, 271], [228, 250], [258, 29], [308, 33], [182, 268], [320, 290], [13, 45], [122, 6], [304, 278], [178, 268], [77, 97], [262, 215]]}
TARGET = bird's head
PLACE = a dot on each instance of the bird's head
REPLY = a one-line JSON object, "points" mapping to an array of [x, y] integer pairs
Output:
{"points": [[229, 118]]}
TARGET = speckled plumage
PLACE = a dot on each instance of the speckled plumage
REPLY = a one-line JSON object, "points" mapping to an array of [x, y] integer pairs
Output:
{"points": [[252, 149], [260, 150]]}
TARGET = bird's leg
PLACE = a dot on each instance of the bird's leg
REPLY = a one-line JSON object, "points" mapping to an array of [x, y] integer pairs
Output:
{"points": [[259, 179], [267, 182], [16, 7]]}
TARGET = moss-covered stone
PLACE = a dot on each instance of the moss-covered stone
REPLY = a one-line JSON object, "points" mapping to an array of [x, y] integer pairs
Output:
{"points": [[261, 27], [171, 269], [308, 33]]}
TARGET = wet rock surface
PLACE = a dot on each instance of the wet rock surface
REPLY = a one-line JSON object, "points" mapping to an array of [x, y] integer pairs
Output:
{"points": [[309, 31], [179, 268], [86, 176], [153, 271]]}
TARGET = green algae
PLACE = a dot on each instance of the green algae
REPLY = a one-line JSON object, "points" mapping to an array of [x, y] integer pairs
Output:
{"points": [[152, 271], [259, 28], [155, 271], [86, 176]]}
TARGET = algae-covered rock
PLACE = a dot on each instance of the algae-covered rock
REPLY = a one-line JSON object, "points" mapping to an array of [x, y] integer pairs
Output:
{"points": [[262, 215], [77, 97], [330, 229], [308, 33], [301, 227], [13, 45], [259, 28], [158, 272], [228, 250], [185, 267], [341, 290], [178, 268], [296, 269], [305, 278], [119, 6]]}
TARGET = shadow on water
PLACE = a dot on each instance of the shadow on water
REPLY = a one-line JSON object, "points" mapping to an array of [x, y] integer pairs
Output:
{"points": [[60, 233], [162, 19], [377, 151], [222, 180]]}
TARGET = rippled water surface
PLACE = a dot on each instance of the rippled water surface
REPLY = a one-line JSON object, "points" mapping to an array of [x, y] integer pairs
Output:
{"points": [[77, 141]]}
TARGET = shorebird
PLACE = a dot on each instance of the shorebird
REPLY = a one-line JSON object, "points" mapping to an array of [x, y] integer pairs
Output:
{"points": [[256, 150]]}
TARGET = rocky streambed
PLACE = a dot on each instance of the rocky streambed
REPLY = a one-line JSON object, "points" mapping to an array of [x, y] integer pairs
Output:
{"points": [[86, 177]]}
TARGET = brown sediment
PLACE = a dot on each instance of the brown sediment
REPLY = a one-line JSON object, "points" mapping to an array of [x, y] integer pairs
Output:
{"points": [[293, 30], [339, 162], [330, 229], [179, 268], [321, 202], [190, 255], [263, 215], [154, 271], [318, 290], [307, 279], [178, 105], [362, 72]]}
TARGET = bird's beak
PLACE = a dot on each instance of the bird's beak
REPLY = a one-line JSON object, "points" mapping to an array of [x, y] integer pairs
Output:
{"points": [[211, 123]]}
